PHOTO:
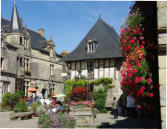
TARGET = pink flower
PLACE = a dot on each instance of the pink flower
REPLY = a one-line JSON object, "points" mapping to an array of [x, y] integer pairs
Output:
{"points": [[134, 38], [134, 70], [143, 42], [141, 37], [134, 32], [136, 48], [130, 74], [151, 95], [123, 30], [143, 59], [149, 80], [151, 87], [129, 65], [138, 64], [137, 61], [127, 38], [128, 47], [138, 106], [132, 41], [128, 29], [123, 64], [141, 46]]}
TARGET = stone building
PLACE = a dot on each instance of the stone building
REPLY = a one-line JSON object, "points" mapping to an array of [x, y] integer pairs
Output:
{"points": [[28, 59], [97, 56], [162, 46]]}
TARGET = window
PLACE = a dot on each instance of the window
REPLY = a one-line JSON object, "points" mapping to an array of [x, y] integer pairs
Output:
{"points": [[21, 40], [21, 61], [91, 45], [2, 61], [5, 87], [51, 69]]}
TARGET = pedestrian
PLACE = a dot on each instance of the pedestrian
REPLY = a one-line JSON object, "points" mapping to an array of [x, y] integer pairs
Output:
{"points": [[131, 107], [115, 108], [30, 101]]}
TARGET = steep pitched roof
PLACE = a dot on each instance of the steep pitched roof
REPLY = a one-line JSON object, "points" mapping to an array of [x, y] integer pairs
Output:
{"points": [[15, 20], [108, 44], [37, 41]]}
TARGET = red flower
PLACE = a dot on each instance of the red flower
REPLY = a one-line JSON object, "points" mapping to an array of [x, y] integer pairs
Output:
{"points": [[151, 95], [134, 32], [129, 65], [141, 46], [149, 80], [143, 59], [134, 70], [143, 42], [128, 29], [127, 38], [128, 47], [138, 64], [130, 74]]}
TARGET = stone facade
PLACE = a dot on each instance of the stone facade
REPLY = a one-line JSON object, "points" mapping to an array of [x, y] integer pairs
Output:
{"points": [[28, 60], [162, 43]]}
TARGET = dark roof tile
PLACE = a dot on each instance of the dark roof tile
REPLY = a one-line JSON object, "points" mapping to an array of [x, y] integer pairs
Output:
{"points": [[108, 44]]}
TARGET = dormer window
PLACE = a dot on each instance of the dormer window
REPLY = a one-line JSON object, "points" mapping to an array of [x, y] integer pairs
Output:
{"points": [[91, 45]]}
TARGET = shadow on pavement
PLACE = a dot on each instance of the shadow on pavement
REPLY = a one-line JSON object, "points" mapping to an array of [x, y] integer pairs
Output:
{"points": [[130, 123]]}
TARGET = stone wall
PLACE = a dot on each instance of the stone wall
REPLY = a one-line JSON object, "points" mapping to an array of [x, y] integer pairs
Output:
{"points": [[162, 43]]}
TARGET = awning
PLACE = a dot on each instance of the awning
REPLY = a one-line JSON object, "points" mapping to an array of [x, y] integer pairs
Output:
{"points": [[31, 90]]}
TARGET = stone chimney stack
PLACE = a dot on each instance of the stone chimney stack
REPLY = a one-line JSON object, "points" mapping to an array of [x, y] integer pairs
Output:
{"points": [[41, 32], [21, 22]]}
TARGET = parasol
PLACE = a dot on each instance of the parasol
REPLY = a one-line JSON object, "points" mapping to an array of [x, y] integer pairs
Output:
{"points": [[59, 95]]}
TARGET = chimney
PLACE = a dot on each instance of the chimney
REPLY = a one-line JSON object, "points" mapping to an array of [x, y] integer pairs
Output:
{"points": [[41, 32], [21, 22], [64, 52]]}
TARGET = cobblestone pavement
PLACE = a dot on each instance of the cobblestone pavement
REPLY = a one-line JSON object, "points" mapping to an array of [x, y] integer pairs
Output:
{"points": [[5, 122], [102, 120]]}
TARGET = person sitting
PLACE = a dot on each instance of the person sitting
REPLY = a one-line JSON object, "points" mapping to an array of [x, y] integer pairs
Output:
{"points": [[59, 106]]}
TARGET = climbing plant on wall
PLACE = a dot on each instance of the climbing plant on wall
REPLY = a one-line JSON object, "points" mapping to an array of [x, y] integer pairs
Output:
{"points": [[138, 47]]}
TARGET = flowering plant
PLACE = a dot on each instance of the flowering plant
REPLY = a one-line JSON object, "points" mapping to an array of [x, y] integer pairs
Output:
{"points": [[82, 103], [79, 93], [136, 74], [56, 120]]}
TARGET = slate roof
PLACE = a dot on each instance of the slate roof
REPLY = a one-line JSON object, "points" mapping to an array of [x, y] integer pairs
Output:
{"points": [[37, 41], [15, 17], [108, 44]]}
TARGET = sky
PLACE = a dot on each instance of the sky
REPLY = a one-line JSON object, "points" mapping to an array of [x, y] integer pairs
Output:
{"points": [[67, 22]]}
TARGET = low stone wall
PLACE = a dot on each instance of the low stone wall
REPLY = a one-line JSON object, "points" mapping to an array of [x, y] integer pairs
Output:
{"points": [[83, 115]]}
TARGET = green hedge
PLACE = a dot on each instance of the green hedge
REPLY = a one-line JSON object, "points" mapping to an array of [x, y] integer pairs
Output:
{"points": [[100, 99]]}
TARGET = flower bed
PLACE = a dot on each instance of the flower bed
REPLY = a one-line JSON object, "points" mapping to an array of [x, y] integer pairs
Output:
{"points": [[56, 120]]}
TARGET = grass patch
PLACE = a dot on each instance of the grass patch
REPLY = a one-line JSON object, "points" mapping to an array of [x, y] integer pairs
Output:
{"points": [[14, 118]]}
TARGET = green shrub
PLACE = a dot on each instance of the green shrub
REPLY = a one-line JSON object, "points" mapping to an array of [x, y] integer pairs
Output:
{"points": [[35, 105], [21, 107], [100, 99], [20, 93], [9, 100]]}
